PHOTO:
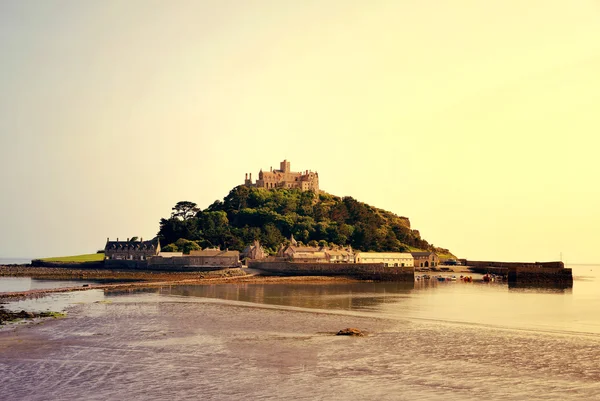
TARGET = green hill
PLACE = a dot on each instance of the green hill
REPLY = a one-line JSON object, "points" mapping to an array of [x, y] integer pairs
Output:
{"points": [[271, 216]]}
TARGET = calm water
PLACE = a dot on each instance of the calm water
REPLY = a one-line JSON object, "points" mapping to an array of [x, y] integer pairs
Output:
{"points": [[571, 310], [12, 284], [14, 261], [574, 309], [428, 341]]}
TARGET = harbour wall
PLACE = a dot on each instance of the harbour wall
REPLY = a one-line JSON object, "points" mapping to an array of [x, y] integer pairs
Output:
{"points": [[484, 264], [528, 273], [156, 263], [363, 271], [540, 275]]}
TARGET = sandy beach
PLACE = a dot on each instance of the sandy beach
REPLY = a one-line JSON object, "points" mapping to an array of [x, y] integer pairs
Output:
{"points": [[149, 346]]}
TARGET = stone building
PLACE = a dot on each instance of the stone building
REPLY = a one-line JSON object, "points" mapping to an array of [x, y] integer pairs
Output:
{"points": [[207, 259], [295, 253], [130, 250], [170, 254], [215, 257], [285, 178], [389, 259], [254, 251], [340, 255], [426, 259]]}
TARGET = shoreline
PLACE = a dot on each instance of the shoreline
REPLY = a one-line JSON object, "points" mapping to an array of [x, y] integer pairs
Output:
{"points": [[139, 279], [225, 350]]}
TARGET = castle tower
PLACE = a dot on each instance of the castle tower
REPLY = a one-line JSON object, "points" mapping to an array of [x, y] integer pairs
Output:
{"points": [[285, 178]]}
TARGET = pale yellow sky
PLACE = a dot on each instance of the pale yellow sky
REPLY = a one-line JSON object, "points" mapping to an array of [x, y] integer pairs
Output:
{"points": [[476, 119]]}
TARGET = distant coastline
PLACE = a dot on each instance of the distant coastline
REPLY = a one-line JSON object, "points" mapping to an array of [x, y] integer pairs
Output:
{"points": [[15, 261]]}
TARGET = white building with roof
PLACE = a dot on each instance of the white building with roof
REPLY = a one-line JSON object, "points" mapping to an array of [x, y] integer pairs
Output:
{"points": [[389, 259]]}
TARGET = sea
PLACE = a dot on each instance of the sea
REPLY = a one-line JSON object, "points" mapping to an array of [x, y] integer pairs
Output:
{"points": [[14, 261], [427, 340]]}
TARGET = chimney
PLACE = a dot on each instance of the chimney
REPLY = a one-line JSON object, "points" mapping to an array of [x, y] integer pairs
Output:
{"points": [[246, 176], [107, 239], [117, 239], [250, 176], [127, 239], [141, 239]]}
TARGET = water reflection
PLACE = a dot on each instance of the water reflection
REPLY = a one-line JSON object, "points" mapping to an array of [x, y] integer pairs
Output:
{"points": [[18, 284], [319, 296], [494, 304], [56, 302], [541, 288]]}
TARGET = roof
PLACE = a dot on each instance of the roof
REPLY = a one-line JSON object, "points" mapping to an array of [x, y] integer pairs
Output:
{"points": [[421, 253], [338, 252], [309, 255], [303, 249], [385, 254], [129, 245], [214, 252], [170, 254]]}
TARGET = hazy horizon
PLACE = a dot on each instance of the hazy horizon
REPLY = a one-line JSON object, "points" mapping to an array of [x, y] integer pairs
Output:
{"points": [[476, 120]]}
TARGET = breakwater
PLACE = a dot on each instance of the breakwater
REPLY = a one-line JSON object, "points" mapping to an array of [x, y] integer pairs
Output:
{"points": [[477, 264], [540, 275], [181, 264], [363, 271], [525, 272]]}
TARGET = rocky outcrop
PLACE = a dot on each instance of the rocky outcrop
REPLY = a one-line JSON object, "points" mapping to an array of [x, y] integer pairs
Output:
{"points": [[8, 316], [350, 332]]}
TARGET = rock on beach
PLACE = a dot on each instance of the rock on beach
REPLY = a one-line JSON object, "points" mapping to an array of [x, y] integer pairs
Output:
{"points": [[350, 332]]}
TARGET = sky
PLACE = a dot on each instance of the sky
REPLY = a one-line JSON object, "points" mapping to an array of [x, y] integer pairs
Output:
{"points": [[478, 120]]}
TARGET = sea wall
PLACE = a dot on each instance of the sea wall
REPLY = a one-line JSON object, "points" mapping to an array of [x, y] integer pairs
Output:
{"points": [[182, 264], [483, 264], [186, 263], [70, 265], [363, 271], [540, 275]]}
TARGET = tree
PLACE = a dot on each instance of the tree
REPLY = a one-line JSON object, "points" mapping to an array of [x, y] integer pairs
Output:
{"points": [[247, 214], [170, 248], [185, 246], [184, 210]]}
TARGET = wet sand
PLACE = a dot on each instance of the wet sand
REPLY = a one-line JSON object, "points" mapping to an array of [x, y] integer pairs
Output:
{"points": [[149, 347], [179, 349]]}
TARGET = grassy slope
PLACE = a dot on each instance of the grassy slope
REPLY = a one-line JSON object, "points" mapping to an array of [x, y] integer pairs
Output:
{"points": [[92, 257]]}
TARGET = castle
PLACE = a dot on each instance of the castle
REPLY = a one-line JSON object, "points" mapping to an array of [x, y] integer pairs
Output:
{"points": [[285, 178]]}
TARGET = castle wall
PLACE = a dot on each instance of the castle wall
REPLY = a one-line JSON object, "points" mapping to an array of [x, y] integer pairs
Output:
{"points": [[285, 178]]}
